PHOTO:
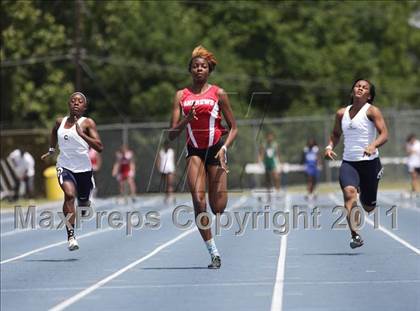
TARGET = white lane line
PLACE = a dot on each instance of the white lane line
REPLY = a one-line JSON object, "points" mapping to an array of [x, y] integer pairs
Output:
{"points": [[389, 201], [384, 230], [176, 285], [395, 237], [277, 299], [95, 208], [78, 237], [13, 232], [240, 202], [41, 209], [52, 245], [68, 302], [147, 203], [293, 294], [100, 204], [180, 285]]}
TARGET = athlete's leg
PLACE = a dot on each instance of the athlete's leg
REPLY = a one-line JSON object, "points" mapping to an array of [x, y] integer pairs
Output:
{"points": [[268, 179], [217, 185], [414, 185], [268, 183], [275, 176], [369, 182], [169, 185], [349, 181], [196, 179], [122, 186], [69, 189], [85, 186], [310, 185], [68, 184], [132, 185], [350, 202]]}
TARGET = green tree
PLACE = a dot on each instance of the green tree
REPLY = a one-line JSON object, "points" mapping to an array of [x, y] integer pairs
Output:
{"points": [[303, 55], [31, 36]]}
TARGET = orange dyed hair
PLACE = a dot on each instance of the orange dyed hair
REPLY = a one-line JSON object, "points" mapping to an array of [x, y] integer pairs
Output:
{"points": [[202, 52]]}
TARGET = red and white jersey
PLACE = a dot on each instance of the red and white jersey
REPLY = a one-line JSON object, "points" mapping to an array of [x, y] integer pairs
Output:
{"points": [[124, 160], [207, 130]]}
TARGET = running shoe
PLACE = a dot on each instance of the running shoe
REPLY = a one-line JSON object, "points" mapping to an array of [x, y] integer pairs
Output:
{"points": [[356, 241], [215, 262], [73, 245]]}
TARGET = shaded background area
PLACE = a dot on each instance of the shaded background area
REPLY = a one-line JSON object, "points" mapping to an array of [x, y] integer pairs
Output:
{"points": [[130, 57], [287, 66], [146, 139]]}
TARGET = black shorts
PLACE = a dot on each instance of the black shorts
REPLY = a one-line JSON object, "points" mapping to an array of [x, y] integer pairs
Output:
{"points": [[83, 182], [364, 176], [207, 154], [414, 169]]}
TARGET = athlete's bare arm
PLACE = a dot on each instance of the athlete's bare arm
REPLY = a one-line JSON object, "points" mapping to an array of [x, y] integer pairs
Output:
{"points": [[88, 132], [99, 161], [278, 154], [176, 125], [261, 154], [53, 138], [375, 115], [231, 122], [158, 161], [335, 135], [228, 114], [132, 163], [116, 166]]}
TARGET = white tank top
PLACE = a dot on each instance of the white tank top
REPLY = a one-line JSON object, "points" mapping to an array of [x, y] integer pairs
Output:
{"points": [[74, 150], [167, 161], [413, 160], [358, 133]]}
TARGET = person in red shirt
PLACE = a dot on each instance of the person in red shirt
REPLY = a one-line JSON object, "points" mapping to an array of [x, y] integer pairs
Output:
{"points": [[124, 170], [201, 106], [96, 160]]}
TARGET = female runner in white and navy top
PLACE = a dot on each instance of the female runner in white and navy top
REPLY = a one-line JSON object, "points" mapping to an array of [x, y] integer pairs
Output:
{"points": [[361, 169], [202, 106], [74, 135]]}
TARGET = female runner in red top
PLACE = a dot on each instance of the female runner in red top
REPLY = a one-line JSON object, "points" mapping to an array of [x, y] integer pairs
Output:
{"points": [[124, 170], [202, 105]]}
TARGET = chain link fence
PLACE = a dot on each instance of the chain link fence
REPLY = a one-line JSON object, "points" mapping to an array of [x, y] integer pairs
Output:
{"points": [[146, 139]]}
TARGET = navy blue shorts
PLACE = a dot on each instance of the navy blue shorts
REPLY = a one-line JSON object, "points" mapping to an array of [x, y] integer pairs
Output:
{"points": [[312, 171], [364, 176], [82, 181], [207, 154]]}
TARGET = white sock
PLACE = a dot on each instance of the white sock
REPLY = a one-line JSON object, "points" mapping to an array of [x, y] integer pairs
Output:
{"points": [[211, 247]]}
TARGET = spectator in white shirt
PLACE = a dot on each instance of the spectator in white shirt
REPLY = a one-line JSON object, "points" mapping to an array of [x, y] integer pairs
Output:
{"points": [[413, 160], [166, 166], [24, 170]]}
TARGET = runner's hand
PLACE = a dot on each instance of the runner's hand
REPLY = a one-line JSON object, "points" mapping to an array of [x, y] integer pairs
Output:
{"points": [[369, 150], [330, 154], [192, 114], [45, 156], [221, 155]]}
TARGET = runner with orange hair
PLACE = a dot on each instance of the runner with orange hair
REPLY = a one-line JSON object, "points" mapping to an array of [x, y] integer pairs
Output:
{"points": [[202, 105]]}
